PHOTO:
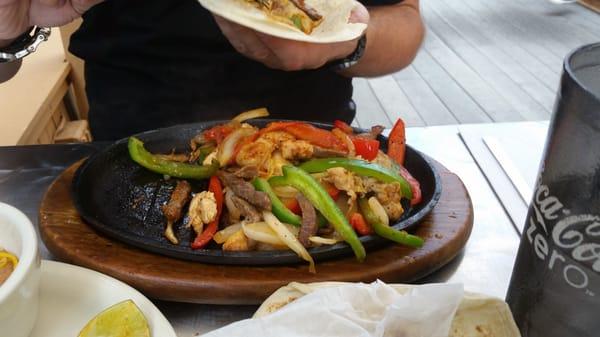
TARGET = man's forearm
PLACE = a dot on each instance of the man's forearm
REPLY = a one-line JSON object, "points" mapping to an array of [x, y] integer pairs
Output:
{"points": [[393, 39]]}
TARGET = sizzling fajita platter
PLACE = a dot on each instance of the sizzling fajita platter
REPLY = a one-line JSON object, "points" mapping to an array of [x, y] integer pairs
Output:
{"points": [[257, 192], [316, 21]]}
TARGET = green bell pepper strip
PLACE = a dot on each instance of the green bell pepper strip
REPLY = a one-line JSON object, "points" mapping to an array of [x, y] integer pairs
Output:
{"points": [[360, 167], [204, 152], [277, 207], [320, 199], [401, 237], [140, 155]]}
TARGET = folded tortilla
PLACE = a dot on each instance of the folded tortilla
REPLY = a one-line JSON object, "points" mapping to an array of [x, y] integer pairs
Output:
{"points": [[477, 315], [317, 21]]}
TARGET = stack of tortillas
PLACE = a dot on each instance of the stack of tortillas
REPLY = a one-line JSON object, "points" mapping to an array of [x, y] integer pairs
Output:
{"points": [[476, 315], [334, 27]]}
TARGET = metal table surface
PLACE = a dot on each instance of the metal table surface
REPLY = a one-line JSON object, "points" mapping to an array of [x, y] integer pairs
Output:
{"points": [[484, 265]]}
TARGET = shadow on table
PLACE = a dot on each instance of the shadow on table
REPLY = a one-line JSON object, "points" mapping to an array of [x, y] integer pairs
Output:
{"points": [[444, 273]]}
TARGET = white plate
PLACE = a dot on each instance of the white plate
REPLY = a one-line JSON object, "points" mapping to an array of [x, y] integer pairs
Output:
{"points": [[70, 296]]}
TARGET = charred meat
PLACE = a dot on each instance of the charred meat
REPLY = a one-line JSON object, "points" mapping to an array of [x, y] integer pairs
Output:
{"points": [[309, 220], [174, 208], [249, 212], [245, 190]]}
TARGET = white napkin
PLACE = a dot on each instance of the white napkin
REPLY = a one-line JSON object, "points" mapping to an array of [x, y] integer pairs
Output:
{"points": [[358, 310]]}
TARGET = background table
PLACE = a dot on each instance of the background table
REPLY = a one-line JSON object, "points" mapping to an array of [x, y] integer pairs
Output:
{"points": [[487, 170]]}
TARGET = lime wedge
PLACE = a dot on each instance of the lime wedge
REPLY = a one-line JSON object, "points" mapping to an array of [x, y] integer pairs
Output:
{"points": [[121, 320]]}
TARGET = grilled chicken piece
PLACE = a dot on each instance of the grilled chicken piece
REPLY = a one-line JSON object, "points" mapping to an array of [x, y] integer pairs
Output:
{"points": [[238, 242], [388, 195], [256, 153], [309, 220], [245, 190], [296, 150], [277, 137], [203, 210], [346, 181], [173, 209]]}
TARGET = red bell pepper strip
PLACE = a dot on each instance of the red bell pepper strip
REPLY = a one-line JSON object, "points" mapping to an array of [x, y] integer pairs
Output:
{"points": [[333, 192], [293, 205], [360, 225], [214, 186], [366, 148], [396, 151], [218, 133], [414, 185], [397, 142], [343, 126], [311, 134]]}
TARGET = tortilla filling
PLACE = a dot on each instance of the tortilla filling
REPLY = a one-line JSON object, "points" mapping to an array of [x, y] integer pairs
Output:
{"points": [[292, 12]]}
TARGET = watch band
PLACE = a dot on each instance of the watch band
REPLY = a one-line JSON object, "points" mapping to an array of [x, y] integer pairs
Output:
{"points": [[351, 59], [25, 44]]}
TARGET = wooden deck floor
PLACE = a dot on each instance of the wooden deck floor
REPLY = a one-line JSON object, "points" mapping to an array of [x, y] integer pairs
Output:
{"points": [[482, 61]]}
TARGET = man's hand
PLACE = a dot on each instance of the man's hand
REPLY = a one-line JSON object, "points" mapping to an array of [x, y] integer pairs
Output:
{"points": [[18, 15], [278, 53]]}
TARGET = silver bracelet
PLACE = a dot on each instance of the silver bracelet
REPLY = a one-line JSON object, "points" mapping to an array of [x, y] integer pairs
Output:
{"points": [[24, 44]]}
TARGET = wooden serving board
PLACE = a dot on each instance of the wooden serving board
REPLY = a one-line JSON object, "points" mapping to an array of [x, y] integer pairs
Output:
{"points": [[446, 230], [591, 4]]}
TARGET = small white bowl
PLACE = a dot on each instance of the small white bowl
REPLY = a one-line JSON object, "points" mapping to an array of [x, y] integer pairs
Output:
{"points": [[19, 295]]}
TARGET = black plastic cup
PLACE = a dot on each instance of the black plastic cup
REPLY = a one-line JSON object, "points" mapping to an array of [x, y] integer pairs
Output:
{"points": [[555, 286]]}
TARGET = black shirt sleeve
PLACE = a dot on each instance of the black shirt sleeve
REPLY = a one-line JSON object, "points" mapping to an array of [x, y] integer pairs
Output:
{"points": [[379, 2]]}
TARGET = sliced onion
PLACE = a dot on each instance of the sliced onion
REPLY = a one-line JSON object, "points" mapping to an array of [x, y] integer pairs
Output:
{"points": [[289, 239], [261, 246], [262, 232], [287, 192], [222, 235], [226, 149], [256, 113], [379, 211], [293, 229], [346, 139], [322, 241]]}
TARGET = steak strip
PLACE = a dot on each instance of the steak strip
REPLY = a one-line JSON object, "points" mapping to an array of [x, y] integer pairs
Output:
{"points": [[245, 190], [246, 172], [249, 212], [309, 225], [311, 12], [174, 208]]}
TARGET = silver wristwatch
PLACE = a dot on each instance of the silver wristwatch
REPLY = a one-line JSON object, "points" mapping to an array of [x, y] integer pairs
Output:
{"points": [[24, 44]]}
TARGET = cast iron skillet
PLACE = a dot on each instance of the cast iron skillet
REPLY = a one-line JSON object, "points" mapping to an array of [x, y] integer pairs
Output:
{"points": [[122, 200]]}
